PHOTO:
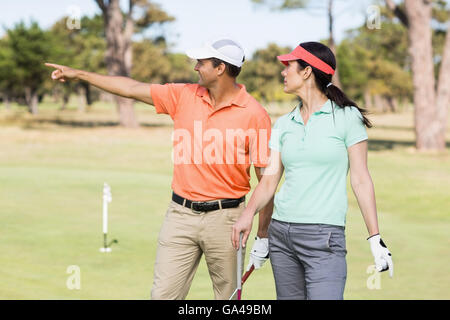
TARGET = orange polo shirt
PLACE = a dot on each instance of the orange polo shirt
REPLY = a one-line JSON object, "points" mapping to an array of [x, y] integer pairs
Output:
{"points": [[213, 149]]}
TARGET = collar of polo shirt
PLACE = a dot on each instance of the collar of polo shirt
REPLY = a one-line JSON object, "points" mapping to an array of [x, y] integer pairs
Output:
{"points": [[240, 100], [326, 108]]}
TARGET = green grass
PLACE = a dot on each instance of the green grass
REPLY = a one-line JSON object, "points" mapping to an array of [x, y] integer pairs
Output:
{"points": [[52, 170]]}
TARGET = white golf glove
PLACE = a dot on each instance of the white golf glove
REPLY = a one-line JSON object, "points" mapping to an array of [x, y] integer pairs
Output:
{"points": [[259, 253], [383, 258]]}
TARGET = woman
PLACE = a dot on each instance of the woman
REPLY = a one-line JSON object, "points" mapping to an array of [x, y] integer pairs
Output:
{"points": [[314, 145]]}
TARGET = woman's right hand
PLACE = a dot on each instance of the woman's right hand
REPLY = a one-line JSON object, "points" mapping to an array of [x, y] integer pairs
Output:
{"points": [[242, 225]]}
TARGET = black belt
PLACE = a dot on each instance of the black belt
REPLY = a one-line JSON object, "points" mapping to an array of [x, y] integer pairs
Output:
{"points": [[205, 206]]}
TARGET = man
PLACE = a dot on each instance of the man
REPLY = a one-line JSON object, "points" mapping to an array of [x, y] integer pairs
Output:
{"points": [[219, 130]]}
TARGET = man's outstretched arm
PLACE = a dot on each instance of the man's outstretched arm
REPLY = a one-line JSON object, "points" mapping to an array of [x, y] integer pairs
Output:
{"points": [[122, 86]]}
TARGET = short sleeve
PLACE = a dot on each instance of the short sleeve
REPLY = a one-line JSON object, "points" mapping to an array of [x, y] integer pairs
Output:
{"points": [[259, 150], [354, 127], [166, 97], [275, 137]]}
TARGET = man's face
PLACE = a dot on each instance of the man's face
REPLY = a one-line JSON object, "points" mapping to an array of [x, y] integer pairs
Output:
{"points": [[206, 72]]}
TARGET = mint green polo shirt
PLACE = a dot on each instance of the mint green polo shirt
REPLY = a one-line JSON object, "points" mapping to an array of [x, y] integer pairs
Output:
{"points": [[316, 163]]}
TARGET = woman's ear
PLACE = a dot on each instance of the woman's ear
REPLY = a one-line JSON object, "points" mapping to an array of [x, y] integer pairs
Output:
{"points": [[307, 72]]}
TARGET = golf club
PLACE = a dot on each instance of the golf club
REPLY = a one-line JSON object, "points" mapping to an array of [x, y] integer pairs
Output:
{"points": [[241, 279]]}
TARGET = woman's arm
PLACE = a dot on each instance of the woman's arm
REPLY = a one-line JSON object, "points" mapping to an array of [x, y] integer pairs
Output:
{"points": [[263, 193], [364, 191], [265, 214], [362, 185]]}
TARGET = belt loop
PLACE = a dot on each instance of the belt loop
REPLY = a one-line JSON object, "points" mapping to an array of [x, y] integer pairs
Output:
{"points": [[184, 202], [220, 204]]}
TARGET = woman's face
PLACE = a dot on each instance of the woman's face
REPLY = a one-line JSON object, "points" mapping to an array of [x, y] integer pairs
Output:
{"points": [[293, 77]]}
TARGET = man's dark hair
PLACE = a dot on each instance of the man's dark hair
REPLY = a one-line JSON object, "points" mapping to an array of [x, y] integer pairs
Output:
{"points": [[230, 69]]}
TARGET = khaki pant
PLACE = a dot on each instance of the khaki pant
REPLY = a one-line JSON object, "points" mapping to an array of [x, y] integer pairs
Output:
{"points": [[184, 237]]}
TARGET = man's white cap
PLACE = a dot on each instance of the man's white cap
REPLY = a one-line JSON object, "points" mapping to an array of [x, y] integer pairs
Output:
{"points": [[224, 48]]}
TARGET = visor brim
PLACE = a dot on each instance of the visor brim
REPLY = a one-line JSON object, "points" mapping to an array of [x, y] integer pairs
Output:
{"points": [[285, 58]]}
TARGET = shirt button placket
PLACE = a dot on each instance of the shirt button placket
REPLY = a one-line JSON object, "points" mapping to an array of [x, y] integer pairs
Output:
{"points": [[307, 129], [302, 140]]}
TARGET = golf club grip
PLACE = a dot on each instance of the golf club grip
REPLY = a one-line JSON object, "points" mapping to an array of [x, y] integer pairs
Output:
{"points": [[239, 263], [247, 274]]}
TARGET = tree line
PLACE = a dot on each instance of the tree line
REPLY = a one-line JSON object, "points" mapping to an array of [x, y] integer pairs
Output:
{"points": [[405, 61]]}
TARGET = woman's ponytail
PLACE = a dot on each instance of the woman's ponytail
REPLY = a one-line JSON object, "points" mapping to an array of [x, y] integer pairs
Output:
{"points": [[337, 96]]}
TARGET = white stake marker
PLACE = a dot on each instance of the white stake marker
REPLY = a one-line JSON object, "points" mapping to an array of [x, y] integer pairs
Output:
{"points": [[107, 198]]}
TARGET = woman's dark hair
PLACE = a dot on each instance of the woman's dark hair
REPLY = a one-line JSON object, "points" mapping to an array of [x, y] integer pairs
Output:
{"points": [[333, 93], [230, 69]]}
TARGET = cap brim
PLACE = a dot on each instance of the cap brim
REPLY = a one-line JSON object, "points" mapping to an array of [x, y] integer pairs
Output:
{"points": [[287, 57], [200, 53], [207, 52]]}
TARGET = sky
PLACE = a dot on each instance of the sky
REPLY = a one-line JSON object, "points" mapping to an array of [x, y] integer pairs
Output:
{"points": [[254, 26]]}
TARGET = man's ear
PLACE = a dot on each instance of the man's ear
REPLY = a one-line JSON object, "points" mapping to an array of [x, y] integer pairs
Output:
{"points": [[221, 69]]}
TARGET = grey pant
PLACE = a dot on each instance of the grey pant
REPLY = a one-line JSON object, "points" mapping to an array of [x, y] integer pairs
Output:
{"points": [[308, 260]]}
